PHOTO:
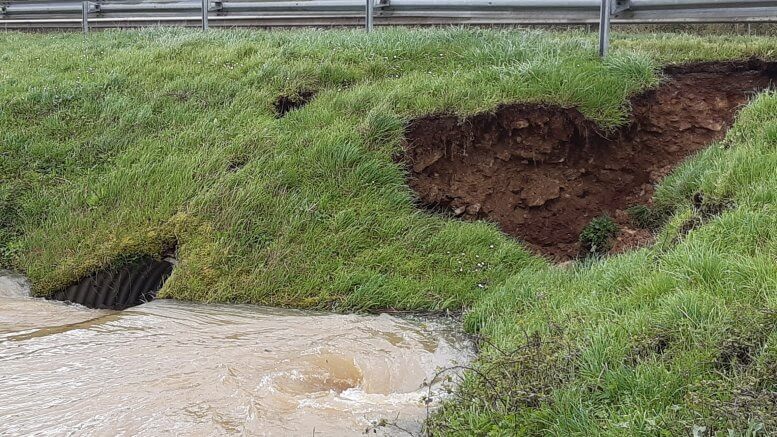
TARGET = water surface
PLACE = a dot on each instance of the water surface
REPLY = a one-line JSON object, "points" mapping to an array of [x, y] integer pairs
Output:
{"points": [[170, 368]]}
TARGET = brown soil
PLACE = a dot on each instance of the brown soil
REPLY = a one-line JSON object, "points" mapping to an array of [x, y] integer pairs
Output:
{"points": [[543, 172]]}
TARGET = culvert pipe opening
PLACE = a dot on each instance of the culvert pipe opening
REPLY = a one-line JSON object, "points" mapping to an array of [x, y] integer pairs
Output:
{"points": [[119, 288]]}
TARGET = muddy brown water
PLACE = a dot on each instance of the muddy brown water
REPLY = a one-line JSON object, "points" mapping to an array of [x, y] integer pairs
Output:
{"points": [[173, 368], [542, 173]]}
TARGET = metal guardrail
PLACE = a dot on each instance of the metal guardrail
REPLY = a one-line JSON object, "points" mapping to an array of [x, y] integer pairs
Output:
{"points": [[63, 14]]}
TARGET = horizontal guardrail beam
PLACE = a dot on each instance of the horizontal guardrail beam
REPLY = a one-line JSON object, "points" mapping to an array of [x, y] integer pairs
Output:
{"points": [[733, 14], [312, 5], [488, 4], [697, 4], [109, 13], [237, 6], [153, 7], [384, 20], [226, 7], [17, 8]]}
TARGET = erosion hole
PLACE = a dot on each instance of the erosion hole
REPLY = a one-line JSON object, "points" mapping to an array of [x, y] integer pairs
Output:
{"points": [[544, 172], [118, 288], [287, 103]]}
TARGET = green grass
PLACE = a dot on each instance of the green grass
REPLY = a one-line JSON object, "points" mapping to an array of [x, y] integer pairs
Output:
{"points": [[122, 142]]}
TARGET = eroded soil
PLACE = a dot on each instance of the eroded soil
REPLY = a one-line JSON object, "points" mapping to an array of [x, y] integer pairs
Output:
{"points": [[544, 172]]}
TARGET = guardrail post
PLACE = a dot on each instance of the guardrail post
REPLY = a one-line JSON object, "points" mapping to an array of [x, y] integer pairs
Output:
{"points": [[85, 16], [205, 5], [368, 15], [604, 28]]}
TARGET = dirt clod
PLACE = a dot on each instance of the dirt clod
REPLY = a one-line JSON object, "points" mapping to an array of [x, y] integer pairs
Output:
{"points": [[544, 172]]}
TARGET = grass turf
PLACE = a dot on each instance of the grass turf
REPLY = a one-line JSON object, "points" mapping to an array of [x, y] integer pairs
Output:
{"points": [[122, 142]]}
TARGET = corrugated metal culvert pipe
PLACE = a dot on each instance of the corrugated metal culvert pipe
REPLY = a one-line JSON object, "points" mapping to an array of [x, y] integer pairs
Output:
{"points": [[133, 284]]}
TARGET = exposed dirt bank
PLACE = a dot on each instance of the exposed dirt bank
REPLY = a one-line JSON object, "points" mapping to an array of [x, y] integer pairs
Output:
{"points": [[544, 172]]}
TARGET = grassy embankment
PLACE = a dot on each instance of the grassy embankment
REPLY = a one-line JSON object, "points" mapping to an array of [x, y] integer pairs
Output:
{"points": [[123, 142]]}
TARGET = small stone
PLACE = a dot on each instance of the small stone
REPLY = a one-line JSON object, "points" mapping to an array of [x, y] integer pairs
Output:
{"points": [[520, 124], [422, 162], [473, 209], [541, 191]]}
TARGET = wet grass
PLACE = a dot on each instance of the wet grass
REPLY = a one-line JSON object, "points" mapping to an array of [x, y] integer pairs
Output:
{"points": [[127, 141]]}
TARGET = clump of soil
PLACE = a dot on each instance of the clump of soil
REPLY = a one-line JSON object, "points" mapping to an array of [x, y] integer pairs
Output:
{"points": [[544, 172], [284, 104]]}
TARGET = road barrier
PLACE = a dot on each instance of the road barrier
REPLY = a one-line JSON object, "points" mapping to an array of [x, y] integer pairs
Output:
{"points": [[98, 14]]}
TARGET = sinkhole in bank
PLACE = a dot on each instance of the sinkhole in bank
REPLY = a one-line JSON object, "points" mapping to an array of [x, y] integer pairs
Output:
{"points": [[543, 173], [133, 283]]}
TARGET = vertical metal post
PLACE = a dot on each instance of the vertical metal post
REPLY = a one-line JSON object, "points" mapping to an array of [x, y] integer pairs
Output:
{"points": [[205, 5], [85, 16], [604, 28], [369, 12]]}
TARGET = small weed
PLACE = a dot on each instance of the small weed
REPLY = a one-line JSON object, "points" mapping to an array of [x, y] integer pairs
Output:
{"points": [[595, 239]]}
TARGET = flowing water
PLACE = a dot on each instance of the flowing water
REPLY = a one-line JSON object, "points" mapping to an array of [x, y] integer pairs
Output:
{"points": [[172, 368]]}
